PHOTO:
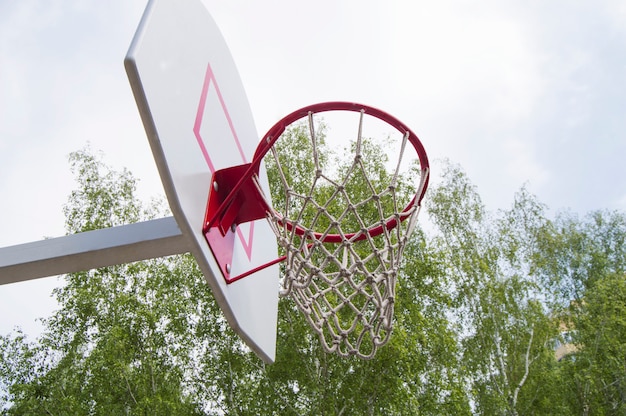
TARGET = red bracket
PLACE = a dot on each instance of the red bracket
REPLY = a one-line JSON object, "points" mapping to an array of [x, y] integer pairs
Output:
{"points": [[234, 198]]}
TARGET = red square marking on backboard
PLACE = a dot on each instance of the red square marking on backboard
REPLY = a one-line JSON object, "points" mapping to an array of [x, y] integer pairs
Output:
{"points": [[210, 88]]}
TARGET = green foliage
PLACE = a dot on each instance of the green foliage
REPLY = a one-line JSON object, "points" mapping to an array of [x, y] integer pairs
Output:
{"points": [[574, 253], [582, 265], [602, 335], [594, 372], [506, 329], [517, 280], [147, 338], [104, 198], [480, 301]]}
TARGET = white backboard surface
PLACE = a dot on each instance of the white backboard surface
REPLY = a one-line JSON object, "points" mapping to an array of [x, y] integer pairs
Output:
{"points": [[198, 120]]}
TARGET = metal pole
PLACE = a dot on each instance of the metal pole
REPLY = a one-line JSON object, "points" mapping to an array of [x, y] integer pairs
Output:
{"points": [[91, 250]]}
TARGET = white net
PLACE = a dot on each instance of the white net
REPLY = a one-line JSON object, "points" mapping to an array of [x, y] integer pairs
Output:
{"points": [[343, 230]]}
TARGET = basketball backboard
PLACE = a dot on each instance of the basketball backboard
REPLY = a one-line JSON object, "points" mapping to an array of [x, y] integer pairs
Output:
{"points": [[197, 119]]}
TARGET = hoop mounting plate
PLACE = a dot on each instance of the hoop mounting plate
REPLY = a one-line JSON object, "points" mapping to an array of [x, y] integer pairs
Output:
{"points": [[234, 199]]}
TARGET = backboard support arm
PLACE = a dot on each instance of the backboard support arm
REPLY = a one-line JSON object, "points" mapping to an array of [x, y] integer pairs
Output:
{"points": [[233, 199], [91, 250]]}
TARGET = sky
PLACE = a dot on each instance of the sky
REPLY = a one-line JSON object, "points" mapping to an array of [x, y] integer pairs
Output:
{"points": [[518, 93]]}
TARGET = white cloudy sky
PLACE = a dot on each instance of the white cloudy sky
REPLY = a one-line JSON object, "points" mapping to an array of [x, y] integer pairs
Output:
{"points": [[514, 91]]}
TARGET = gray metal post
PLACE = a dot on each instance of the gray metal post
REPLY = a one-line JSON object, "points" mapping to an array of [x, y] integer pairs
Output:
{"points": [[91, 250]]}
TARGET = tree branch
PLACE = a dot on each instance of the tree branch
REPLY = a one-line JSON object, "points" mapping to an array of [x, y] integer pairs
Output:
{"points": [[132, 396], [527, 362], [499, 353]]}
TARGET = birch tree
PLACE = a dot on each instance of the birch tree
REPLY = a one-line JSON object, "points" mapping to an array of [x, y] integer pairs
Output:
{"points": [[497, 302]]}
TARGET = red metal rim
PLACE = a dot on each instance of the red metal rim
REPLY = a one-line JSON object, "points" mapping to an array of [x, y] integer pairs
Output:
{"points": [[277, 130]]}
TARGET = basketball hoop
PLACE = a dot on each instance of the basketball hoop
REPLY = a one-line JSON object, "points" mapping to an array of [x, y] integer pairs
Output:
{"points": [[342, 232]]}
